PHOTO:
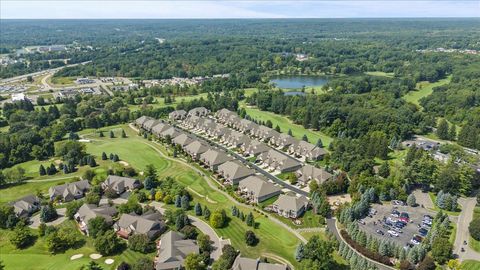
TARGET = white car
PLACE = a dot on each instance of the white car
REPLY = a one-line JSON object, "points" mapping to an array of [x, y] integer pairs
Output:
{"points": [[393, 233]]}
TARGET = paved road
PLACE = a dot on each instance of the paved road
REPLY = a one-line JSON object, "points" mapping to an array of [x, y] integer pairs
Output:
{"points": [[245, 161], [464, 219], [61, 218], [332, 226], [423, 199]]}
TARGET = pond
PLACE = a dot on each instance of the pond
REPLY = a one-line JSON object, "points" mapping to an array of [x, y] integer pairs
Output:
{"points": [[296, 82]]}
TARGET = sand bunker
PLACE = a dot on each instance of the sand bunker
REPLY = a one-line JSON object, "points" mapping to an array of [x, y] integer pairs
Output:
{"points": [[95, 256], [76, 256], [109, 261]]}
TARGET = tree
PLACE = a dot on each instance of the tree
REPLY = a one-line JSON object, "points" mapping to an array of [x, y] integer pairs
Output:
{"points": [[149, 183], [150, 171], [442, 130], [91, 162], [474, 228], [277, 128], [411, 200], [143, 264], [140, 243], [220, 264], [441, 250], [198, 209], [104, 156], [194, 262], [204, 243], [319, 143], [290, 132], [319, 251], [91, 266], [112, 135], [48, 213], [427, 264], [452, 133], [72, 208], [299, 252], [41, 229], [305, 138], [21, 237], [97, 226], [178, 201], [123, 266], [454, 264], [217, 219], [206, 213], [116, 158], [124, 135], [250, 238], [42, 170], [100, 134], [108, 243], [384, 170], [250, 220], [185, 203]]}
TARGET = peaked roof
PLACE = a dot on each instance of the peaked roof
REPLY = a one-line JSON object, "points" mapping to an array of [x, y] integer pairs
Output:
{"points": [[258, 186], [235, 169], [290, 203], [309, 171], [173, 250], [214, 157], [196, 147], [89, 211], [69, 189], [147, 224]]}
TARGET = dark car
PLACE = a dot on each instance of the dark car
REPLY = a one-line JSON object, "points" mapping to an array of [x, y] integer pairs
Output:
{"points": [[380, 232], [386, 227], [423, 232]]}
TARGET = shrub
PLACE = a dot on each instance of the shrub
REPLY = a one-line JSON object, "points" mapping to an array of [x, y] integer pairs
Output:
{"points": [[140, 243], [21, 237], [474, 229]]}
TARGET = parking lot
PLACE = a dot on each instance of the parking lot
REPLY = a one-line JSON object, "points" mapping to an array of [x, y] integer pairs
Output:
{"points": [[383, 221]]}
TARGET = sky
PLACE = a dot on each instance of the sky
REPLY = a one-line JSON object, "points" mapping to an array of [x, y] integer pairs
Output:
{"points": [[128, 9]]}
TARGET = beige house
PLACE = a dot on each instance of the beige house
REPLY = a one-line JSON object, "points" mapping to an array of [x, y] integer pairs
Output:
{"points": [[241, 263], [309, 172], [214, 158], [255, 189], [290, 206], [274, 160], [149, 223], [196, 148], [233, 172], [172, 251], [120, 184]]}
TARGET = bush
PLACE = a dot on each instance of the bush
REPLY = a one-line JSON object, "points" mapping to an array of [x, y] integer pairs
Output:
{"points": [[427, 264], [142, 264], [108, 243], [217, 219], [474, 229], [21, 237]]}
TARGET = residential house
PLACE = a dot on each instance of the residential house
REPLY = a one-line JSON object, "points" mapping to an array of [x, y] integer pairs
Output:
{"points": [[214, 158], [267, 135], [159, 128], [309, 172], [149, 124], [307, 150], [25, 206], [191, 121], [70, 191], [150, 224], [256, 189], [141, 120], [89, 211], [234, 171], [254, 148], [171, 132], [120, 184], [290, 206], [236, 139], [244, 125], [183, 139], [223, 114], [232, 120], [177, 115], [241, 263], [274, 160], [199, 111], [261, 132], [173, 249], [283, 140], [196, 148], [217, 132]]}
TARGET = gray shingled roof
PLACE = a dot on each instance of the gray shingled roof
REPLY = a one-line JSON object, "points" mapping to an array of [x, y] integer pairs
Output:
{"points": [[89, 211], [310, 172], [242, 263], [234, 170], [196, 148], [258, 186], [214, 157], [25, 205], [147, 224], [290, 203], [173, 250], [69, 190]]}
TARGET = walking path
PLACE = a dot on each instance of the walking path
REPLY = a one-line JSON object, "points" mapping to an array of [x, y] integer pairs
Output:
{"points": [[213, 186], [464, 219]]}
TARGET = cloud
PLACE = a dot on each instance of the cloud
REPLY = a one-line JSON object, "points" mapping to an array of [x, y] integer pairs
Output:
{"points": [[234, 9]]}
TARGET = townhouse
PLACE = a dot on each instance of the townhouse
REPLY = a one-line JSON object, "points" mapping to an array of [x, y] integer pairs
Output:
{"points": [[276, 161], [89, 211], [196, 148], [235, 139], [171, 132], [199, 111], [70, 191], [254, 148], [290, 206], [120, 184], [214, 158], [177, 115], [150, 224], [233, 172], [159, 128], [282, 140], [241, 263], [183, 139], [309, 172], [255, 189], [141, 120], [149, 124], [307, 150]]}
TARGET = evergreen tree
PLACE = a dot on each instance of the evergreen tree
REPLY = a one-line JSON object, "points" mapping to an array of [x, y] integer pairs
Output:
{"points": [[124, 135], [290, 132], [452, 133], [111, 134], [92, 163], [41, 170], [100, 134], [198, 209], [305, 138], [111, 156], [206, 213], [178, 201], [116, 158], [185, 203], [411, 200], [299, 252], [384, 170], [442, 130], [104, 156], [319, 143], [277, 128], [250, 220]]}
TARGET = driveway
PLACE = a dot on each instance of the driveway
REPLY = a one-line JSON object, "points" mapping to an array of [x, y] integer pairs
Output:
{"points": [[423, 199], [61, 218], [464, 219]]}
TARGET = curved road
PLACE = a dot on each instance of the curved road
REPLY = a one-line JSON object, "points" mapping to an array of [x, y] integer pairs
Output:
{"points": [[464, 219]]}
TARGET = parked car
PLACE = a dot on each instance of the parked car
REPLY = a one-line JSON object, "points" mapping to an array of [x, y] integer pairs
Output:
{"points": [[386, 227], [427, 216], [395, 213], [423, 232], [393, 233], [380, 232], [372, 211], [397, 230]]}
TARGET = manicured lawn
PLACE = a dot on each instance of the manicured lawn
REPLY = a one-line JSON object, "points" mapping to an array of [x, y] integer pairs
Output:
{"points": [[161, 101], [424, 89], [285, 124], [474, 244], [12, 193], [380, 74], [471, 265], [38, 257]]}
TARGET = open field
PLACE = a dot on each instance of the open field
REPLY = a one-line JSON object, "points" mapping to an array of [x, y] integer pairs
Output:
{"points": [[61, 81], [160, 101], [37, 257], [470, 265], [285, 124], [380, 74], [424, 89]]}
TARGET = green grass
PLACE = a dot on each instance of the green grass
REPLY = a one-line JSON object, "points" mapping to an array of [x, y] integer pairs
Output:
{"points": [[37, 256], [160, 101], [470, 265], [380, 74], [285, 124], [61, 81], [474, 244], [424, 89], [12, 193]]}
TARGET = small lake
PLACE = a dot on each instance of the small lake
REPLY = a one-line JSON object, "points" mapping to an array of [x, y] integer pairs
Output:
{"points": [[296, 82]]}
